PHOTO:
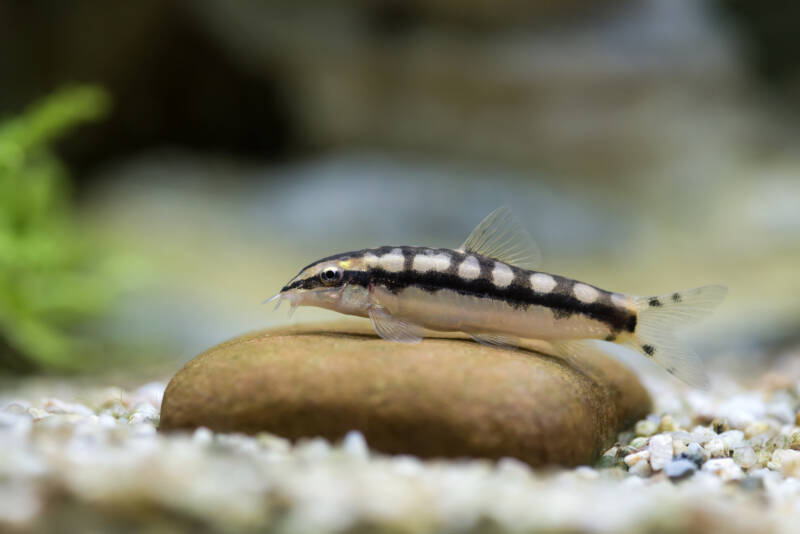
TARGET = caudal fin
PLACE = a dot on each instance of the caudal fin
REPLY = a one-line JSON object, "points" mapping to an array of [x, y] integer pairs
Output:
{"points": [[658, 319]]}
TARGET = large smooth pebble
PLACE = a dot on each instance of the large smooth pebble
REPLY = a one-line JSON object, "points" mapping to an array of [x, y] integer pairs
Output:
{"points": [[444, 397]]}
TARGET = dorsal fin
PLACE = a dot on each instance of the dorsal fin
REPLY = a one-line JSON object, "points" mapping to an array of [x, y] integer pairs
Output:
{"points": [[502, 237]]}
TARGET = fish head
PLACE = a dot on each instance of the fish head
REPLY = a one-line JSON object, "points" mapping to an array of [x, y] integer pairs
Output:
{"points": [[335, 283]]}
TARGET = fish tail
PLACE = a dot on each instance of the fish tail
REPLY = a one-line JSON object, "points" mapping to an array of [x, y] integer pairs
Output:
{"points": [[659, 317]]}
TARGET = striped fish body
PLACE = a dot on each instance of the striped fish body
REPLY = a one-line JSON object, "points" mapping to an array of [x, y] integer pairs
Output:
{"points": [[449, 290], [490, 289]]}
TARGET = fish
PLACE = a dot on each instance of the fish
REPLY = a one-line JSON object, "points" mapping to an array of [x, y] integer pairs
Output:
{"points": [[489, 288]]}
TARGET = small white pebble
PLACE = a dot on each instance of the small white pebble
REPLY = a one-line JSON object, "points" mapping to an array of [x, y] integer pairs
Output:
{"points": [[724, 468], [745, 457], [794, 439], [781, 411], [787, 461], [660, 448], [144, 413], [136, 419], [741, 410], [38, 414], [681, 435], [702, 434], [679, 468], [406, 465], [314, 449], [202, 436], [716, 448], [355, 445], [732, 439], [638, 463], [274, 443], [56, 406], [696, 453], [151, 393], [757, 428], [646, 428], [668, 424], [586, 473], [636, 457], [513, 467], [612, 452], [641, 469]]}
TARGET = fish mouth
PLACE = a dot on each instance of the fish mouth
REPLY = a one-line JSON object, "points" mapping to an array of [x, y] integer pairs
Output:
{"points": [[294, 302], [319, 297]]}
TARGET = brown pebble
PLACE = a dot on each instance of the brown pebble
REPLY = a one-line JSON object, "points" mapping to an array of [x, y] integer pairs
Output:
{"points": [[444, 397]]}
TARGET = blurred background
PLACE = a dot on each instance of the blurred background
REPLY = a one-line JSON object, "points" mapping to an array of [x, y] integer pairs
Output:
{"points": [[166, 165]]}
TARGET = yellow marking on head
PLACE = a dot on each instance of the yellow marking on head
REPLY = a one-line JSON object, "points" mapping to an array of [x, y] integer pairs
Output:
{"points": [[344, 264]]}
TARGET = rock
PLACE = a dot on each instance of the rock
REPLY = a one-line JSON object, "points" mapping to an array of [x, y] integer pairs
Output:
{"points": [[680, 468], [724, 468], [646, 428], [756, 428], [668, 424], [660, 451], [355, 445], [695, 453], [680, 442], [638, 463], [794, 439], [716, 448], [787, 461], [444, 397], [733, 439], [702, 435], [745, 457], [610, 458]]}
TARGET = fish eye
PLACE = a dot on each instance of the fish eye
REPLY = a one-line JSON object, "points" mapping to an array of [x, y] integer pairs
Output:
{"points": [[331, 275]]}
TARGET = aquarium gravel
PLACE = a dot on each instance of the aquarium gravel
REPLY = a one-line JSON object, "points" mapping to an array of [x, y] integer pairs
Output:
{"points": [[725, 460]]}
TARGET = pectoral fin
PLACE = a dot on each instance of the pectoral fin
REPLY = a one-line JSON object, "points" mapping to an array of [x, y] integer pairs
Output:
{"points": [[393, 329]]}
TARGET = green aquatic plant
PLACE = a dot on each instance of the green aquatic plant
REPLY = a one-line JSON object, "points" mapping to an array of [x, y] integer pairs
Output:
{"points": [[52, 277]]}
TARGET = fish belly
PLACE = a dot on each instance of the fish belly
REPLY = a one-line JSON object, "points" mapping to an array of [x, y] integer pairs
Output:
{"points": [[447, 310]]}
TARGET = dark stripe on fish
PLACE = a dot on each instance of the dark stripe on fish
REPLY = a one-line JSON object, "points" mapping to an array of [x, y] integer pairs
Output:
{"points": [[518, 294]]}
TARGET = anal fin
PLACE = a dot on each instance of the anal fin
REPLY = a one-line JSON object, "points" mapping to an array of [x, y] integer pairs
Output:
{"points": [[575, 351], [391, 328]]}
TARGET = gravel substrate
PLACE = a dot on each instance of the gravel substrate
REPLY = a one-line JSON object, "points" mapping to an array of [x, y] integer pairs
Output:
{"points": [[725, 460]]}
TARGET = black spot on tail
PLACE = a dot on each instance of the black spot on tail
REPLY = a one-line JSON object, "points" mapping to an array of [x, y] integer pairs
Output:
{"points": [[649, 349], [611, 337], [676, 297], [654, 302]]}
